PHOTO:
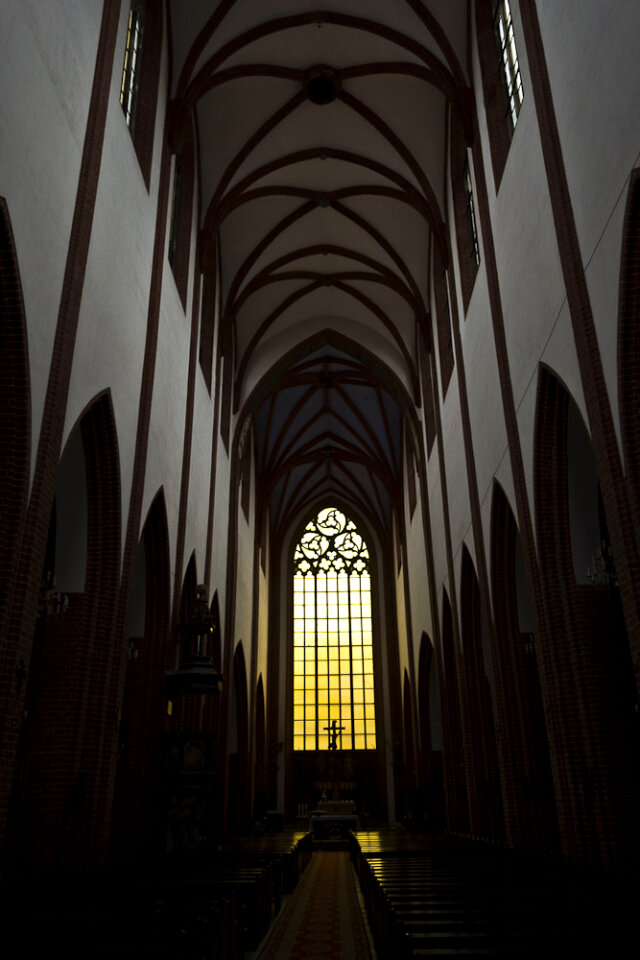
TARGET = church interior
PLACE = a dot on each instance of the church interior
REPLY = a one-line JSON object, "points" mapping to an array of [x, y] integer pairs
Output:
{"points": [[320, 497]]}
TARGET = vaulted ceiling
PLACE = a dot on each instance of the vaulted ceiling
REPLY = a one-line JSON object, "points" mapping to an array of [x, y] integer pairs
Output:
{"points": [[322, 130]]}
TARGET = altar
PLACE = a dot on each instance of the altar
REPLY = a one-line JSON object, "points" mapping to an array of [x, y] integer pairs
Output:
{"points": [[334, 819]]}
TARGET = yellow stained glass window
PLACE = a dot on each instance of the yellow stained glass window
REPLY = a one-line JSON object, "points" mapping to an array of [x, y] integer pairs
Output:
{"points": [[333, 651]]}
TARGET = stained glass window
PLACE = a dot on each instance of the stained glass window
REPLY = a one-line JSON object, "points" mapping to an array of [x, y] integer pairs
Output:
{"points": [[333, 686]]}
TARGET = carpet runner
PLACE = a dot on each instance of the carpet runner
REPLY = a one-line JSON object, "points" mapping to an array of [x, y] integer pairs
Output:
{"points": [[322, 920]]}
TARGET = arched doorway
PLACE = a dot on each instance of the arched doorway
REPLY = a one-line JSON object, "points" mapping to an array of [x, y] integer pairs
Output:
{"points": [[72, 687], [588, 676]]}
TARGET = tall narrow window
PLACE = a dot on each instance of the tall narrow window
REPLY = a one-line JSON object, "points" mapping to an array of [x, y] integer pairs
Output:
{"points": [[175, 211], [333, 685], [466, 213], [510, 67], [181, 214], [501, 79], [471, 213], [131, 67], [443, 320]]}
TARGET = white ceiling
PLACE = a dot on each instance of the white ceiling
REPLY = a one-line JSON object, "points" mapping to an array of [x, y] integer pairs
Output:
{"points": [[323, 216]]}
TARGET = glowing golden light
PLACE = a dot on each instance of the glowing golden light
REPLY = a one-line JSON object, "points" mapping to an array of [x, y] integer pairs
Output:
{"points": [[332, 637]]}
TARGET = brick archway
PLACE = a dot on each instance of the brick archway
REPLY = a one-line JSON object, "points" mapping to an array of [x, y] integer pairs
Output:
{"points": [[72, 688], [586, 672]]}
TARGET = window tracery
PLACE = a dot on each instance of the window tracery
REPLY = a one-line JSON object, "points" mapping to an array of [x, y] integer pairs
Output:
{"points": [[333, 681]]}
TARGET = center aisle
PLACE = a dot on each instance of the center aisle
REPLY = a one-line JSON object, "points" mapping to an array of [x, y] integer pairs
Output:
{"points": [[322, 920]]}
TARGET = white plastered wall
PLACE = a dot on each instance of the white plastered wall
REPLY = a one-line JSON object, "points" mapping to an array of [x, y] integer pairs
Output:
{"points": [[46, 53], [112, 326]]}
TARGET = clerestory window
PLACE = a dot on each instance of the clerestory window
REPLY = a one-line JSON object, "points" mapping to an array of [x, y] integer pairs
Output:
{"points": [[333, 679], [466, 216], [510, 68], [131, 66], [175, 211], [471, 213]]}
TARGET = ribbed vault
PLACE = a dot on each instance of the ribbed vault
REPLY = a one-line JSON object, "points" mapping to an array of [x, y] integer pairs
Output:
{"points": [[322, 134]]}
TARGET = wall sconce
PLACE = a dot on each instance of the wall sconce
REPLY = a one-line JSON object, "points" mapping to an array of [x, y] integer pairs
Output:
{"points": [[197, 670]]}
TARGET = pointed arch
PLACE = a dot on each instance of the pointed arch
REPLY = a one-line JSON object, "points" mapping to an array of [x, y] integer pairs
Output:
{"points": [[333, 649], [15, 419], [589, 673], [67, 797]]}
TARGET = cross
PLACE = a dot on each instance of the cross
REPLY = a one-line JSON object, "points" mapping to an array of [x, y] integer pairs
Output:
{"points": [[332, 730]]}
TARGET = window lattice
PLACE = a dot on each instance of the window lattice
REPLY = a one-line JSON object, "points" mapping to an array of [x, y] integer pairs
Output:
{"points": [[510, 68], [333, 684], [131, 67]]}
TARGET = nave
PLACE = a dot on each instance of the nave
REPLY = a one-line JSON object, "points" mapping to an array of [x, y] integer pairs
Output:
{"points": [[319, 393], [434, 897], [387, 892], [323, 919]]}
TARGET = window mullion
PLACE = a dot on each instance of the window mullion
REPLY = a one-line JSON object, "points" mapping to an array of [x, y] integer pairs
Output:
{"points": [[332, 548], [315, 622], [353, 741]]}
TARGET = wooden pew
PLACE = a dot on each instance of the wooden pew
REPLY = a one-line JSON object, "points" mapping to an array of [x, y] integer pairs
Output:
{"points": [[210, 907], [430, 899]]}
